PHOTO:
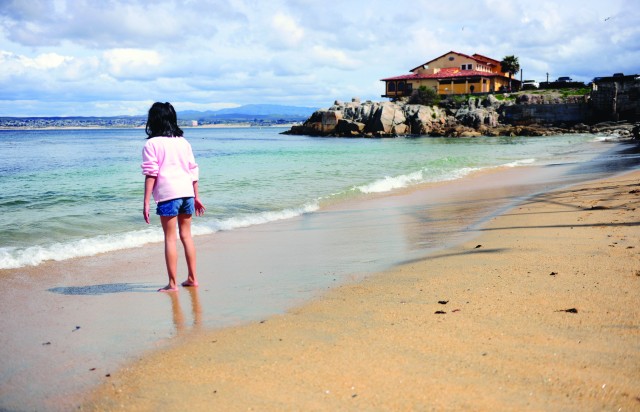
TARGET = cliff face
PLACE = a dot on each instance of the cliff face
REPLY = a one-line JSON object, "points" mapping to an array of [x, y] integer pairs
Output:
{"points": [[528, 114]]}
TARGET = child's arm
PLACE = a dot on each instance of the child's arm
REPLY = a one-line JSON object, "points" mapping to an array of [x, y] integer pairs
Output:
{"points": [[149, 182], [198, 204]]}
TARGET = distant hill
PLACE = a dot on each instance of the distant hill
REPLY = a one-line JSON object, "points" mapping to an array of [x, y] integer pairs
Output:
{"points": [[255, 114], [250, 112]]}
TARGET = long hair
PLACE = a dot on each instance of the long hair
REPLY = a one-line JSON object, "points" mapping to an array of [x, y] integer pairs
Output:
{"points": [[162, 121]]}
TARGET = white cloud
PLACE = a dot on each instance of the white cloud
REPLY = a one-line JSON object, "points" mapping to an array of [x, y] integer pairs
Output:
{"points": [[59, 53], [132, 63], [287, 30], [333, 58], [47, 61]]}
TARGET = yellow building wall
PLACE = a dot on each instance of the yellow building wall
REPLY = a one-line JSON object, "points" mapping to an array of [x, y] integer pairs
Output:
{"points": [[429, 83], [446, 87]]}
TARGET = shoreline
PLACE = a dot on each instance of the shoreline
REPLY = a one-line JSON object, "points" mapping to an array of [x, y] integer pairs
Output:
{"points": [[508, 338], [77, 324], [205, 126]]}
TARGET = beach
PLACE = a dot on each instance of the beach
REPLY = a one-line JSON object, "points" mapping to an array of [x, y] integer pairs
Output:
{"points": [[537, 312], [81, 312]]}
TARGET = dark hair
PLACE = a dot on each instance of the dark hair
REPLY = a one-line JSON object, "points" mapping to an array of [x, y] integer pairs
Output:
{"points": [[162, 121]]}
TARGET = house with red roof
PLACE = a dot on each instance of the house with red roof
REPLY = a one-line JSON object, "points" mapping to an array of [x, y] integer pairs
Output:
{"points": [[452, 73]]}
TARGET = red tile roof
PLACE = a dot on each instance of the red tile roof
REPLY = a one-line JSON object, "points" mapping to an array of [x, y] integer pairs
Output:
{"points": [[485, 59], [447, 73]]}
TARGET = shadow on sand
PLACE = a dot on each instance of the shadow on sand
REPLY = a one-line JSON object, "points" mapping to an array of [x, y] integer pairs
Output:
{"points": [[103, 289]]}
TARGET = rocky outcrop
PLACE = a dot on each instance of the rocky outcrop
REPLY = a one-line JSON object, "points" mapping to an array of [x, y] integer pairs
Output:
{"points": [[527, 115], [372, 119]]}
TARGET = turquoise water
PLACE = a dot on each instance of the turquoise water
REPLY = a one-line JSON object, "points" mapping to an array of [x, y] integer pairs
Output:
{"points": [[70, 193]]}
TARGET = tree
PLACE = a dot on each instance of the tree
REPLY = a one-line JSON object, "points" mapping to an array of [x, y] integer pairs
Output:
{"points": [[511, 66], [425, 96]]}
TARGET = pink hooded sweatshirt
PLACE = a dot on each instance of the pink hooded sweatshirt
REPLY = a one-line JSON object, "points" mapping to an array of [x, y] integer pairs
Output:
{"points": [[171, 161]]}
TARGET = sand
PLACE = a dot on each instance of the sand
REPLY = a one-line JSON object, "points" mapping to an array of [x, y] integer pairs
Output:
{"points": [[539, 311]]}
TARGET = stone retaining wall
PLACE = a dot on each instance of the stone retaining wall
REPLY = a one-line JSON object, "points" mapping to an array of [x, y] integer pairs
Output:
{"points": [[565, 113], [616, 99]]}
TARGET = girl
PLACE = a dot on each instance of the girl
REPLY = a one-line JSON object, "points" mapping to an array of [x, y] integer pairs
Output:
{"points": [[172, 176]]}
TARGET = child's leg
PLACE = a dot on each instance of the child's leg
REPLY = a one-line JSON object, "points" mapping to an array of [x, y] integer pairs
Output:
{"points": [[170, 251], [184, 225]]}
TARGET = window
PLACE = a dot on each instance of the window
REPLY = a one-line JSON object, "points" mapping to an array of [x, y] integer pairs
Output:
{"points": [[391, 86], [451, 58], [467, 67], [400, 86]]}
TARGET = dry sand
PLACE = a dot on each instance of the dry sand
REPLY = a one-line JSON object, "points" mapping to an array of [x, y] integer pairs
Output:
{"points": [[541, 313]]}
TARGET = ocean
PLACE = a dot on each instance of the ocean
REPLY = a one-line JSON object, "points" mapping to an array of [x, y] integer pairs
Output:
{"points": [[72, 193]]}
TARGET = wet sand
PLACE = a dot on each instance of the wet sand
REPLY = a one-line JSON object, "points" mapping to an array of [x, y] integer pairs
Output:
{"points": [[539, 312], [72, 325]]}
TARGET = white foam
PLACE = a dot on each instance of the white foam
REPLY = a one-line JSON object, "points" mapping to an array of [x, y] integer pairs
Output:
{"points": [[237, 222], [522, 162], [11, 258], [388, 183], [614, 137]]}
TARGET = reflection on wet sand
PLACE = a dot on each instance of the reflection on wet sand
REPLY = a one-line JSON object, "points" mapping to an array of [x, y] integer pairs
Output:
{"points": [[179, 320]]}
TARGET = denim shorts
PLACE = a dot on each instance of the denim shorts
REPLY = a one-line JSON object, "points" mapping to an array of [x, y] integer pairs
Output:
{"points": [[175, 207]]}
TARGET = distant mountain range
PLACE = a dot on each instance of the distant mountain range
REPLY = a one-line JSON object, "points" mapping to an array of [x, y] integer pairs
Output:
{"points": [[250, 112]]}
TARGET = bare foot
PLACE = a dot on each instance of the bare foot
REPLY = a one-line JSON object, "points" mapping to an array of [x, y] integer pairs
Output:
{"points": [[168, 288], [188, 283]]}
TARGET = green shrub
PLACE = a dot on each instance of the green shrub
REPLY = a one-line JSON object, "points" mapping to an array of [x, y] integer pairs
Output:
{"points": [[575, 92], [425, 96]]}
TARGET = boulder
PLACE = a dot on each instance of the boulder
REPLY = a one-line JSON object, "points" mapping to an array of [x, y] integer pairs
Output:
{"points": [[470, 133], [385, 119], [330, 120], [349, 128], [423, 119], [478, 117]]}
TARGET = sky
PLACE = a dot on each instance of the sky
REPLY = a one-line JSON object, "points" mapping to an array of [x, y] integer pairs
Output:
{"points": [[116, 57]]}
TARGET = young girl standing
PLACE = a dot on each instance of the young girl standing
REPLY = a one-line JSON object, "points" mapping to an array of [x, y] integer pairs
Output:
{"points": [[172, 177]]}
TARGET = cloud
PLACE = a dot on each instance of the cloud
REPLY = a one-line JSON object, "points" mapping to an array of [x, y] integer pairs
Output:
{"points": [[132, 63], [333, 58], [117, 55], [286, 30]]}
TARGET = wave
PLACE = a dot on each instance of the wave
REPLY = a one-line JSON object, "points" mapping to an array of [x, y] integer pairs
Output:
{"points": [[426, 175], [388, 183], [12, 258], [237, 222], [523, 162]]}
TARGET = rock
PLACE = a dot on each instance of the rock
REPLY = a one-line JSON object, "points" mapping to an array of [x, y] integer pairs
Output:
{"points": [[491, 101], [478, 117], [581, 127], [386, 118], [529, 115], [469, 133], [349, 128], [423, 119], [330, 120]]}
